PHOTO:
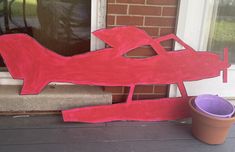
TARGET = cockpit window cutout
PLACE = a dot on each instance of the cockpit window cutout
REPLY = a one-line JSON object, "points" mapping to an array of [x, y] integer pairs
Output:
{"points": [[145, 51], [150, 92], [172, 45]]}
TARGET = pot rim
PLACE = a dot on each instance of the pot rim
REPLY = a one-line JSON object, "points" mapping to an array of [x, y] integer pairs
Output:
{"points": [[198, 100], [207, 115]]}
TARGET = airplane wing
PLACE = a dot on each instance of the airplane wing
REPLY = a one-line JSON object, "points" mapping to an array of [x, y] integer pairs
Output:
{"points": [[124, 38]]}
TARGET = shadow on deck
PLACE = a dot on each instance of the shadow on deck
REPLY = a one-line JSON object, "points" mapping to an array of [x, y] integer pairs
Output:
{"points": [[50, 134]]}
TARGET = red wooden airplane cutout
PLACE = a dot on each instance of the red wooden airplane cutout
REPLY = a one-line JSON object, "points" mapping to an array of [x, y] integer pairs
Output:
{"points": [[26, 59]]}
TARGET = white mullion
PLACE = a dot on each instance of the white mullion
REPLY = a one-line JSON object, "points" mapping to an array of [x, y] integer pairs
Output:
{"points": [[98, 21]]}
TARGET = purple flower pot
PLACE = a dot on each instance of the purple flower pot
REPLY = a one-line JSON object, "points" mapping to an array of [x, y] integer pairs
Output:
{"points": [[214, 105]]}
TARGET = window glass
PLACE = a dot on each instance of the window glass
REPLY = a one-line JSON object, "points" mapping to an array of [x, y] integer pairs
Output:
{"points": [[60, 25], [222, 32]]}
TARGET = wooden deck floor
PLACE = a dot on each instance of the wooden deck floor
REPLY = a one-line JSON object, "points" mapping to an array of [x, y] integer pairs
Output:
{"points": [[50, 134]]}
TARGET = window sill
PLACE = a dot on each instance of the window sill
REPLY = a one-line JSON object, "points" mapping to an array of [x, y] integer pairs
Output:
{"points": [[52, 98]]}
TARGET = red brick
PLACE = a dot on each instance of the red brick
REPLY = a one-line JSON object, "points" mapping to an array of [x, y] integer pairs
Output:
{"points": [[129, 20], [117, 9], [119, 98], [145, 10], [141, 52], [168, 48], [161, 89], [160, 21], [135, 97], [153, 96], [118, 89], [165, 31], [110, 20], [144, 89], [108, 27], [162, 2], [131, 1], [169, 11], [152, 31], [110, 1], [141, 89], [167, 43], [126, 89]]}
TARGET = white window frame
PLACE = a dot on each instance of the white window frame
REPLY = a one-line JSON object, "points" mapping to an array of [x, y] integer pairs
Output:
{"points": [[194, 20], [98, 21], [193, 14]]}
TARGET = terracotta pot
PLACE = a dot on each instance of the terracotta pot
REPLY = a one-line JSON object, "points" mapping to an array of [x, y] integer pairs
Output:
{"points": [[209, 129]]}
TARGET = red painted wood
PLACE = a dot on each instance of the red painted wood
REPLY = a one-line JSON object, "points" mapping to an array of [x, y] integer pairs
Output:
{"points": [[142, 110], [225, 71], [26, 59]]}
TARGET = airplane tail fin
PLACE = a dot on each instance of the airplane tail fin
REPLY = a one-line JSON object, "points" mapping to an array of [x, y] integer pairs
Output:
{"points": [[226, 62], [22, 55], [17, 53]]}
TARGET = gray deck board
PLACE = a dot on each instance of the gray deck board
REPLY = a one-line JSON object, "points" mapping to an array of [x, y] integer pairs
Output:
{"points": [[49, 133]]}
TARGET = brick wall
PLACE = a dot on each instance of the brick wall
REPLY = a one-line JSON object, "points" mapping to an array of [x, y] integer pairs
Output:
{"points": [[157, 18]]}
